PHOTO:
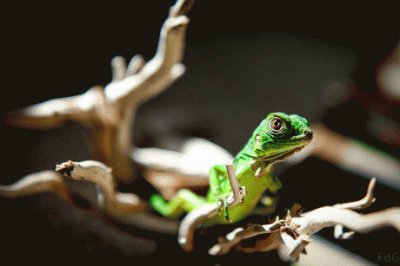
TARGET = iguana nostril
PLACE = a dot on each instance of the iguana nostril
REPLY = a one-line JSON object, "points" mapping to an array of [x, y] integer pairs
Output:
{"points": [[308, 134]]}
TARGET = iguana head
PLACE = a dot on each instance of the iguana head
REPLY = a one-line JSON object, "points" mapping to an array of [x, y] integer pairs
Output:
{"points": [[278, 136]]}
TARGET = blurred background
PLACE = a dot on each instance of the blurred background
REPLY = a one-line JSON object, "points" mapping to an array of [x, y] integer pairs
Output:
{"points": [[329, 63]]}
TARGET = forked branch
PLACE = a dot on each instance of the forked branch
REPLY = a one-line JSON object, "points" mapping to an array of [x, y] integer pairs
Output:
{"points": [[124, 207], [110, 200], [293, 232], [108, 114]]}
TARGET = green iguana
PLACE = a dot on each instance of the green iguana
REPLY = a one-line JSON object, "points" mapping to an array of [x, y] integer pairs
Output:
{"points": [[277, 137]]}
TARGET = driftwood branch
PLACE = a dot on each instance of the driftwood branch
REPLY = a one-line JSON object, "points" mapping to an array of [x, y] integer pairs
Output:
{"points": [[108, 113], [363, 203], [192, 221], [351, 155], [293, 232], [109, 200], [168, 171], [40, 182], [163, 69], [127, 208]]}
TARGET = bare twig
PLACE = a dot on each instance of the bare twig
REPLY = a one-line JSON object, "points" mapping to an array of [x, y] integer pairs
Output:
{"points": [[351, 155], [164, 68], [239, 234], [108, 114], [294, 232], [110, 200], [362, 203], [339, 232], [45, 181], [238, 192], [135, 65], [318, 219], [192, 220], [170, 171], [194, 157], [295, 245], [168, 183], [127, 208]]}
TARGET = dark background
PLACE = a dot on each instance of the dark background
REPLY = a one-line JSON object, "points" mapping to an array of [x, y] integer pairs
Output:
{"points": [[243, 58]]}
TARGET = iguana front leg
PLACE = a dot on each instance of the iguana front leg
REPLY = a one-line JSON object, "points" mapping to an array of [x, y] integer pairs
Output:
{"points": [[225, 188], [218, 179]]}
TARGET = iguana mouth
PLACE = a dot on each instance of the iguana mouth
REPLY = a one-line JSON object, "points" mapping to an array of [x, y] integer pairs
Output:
{"points": [[281, 156], [285, 155]]}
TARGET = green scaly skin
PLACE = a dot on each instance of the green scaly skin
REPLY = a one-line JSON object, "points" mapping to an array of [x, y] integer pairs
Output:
{"points": [[277, 137]]}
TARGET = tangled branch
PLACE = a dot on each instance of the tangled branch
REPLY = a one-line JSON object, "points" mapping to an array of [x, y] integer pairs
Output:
{"points": [[108, 113], [127, 208], [294, 231]]}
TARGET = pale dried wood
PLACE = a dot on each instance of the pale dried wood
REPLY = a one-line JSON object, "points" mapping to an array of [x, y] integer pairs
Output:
{"points": [[293, 233], [108, 114]]}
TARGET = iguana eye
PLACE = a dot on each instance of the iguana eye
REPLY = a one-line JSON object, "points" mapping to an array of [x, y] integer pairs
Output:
{"points": [[276, 123]]}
